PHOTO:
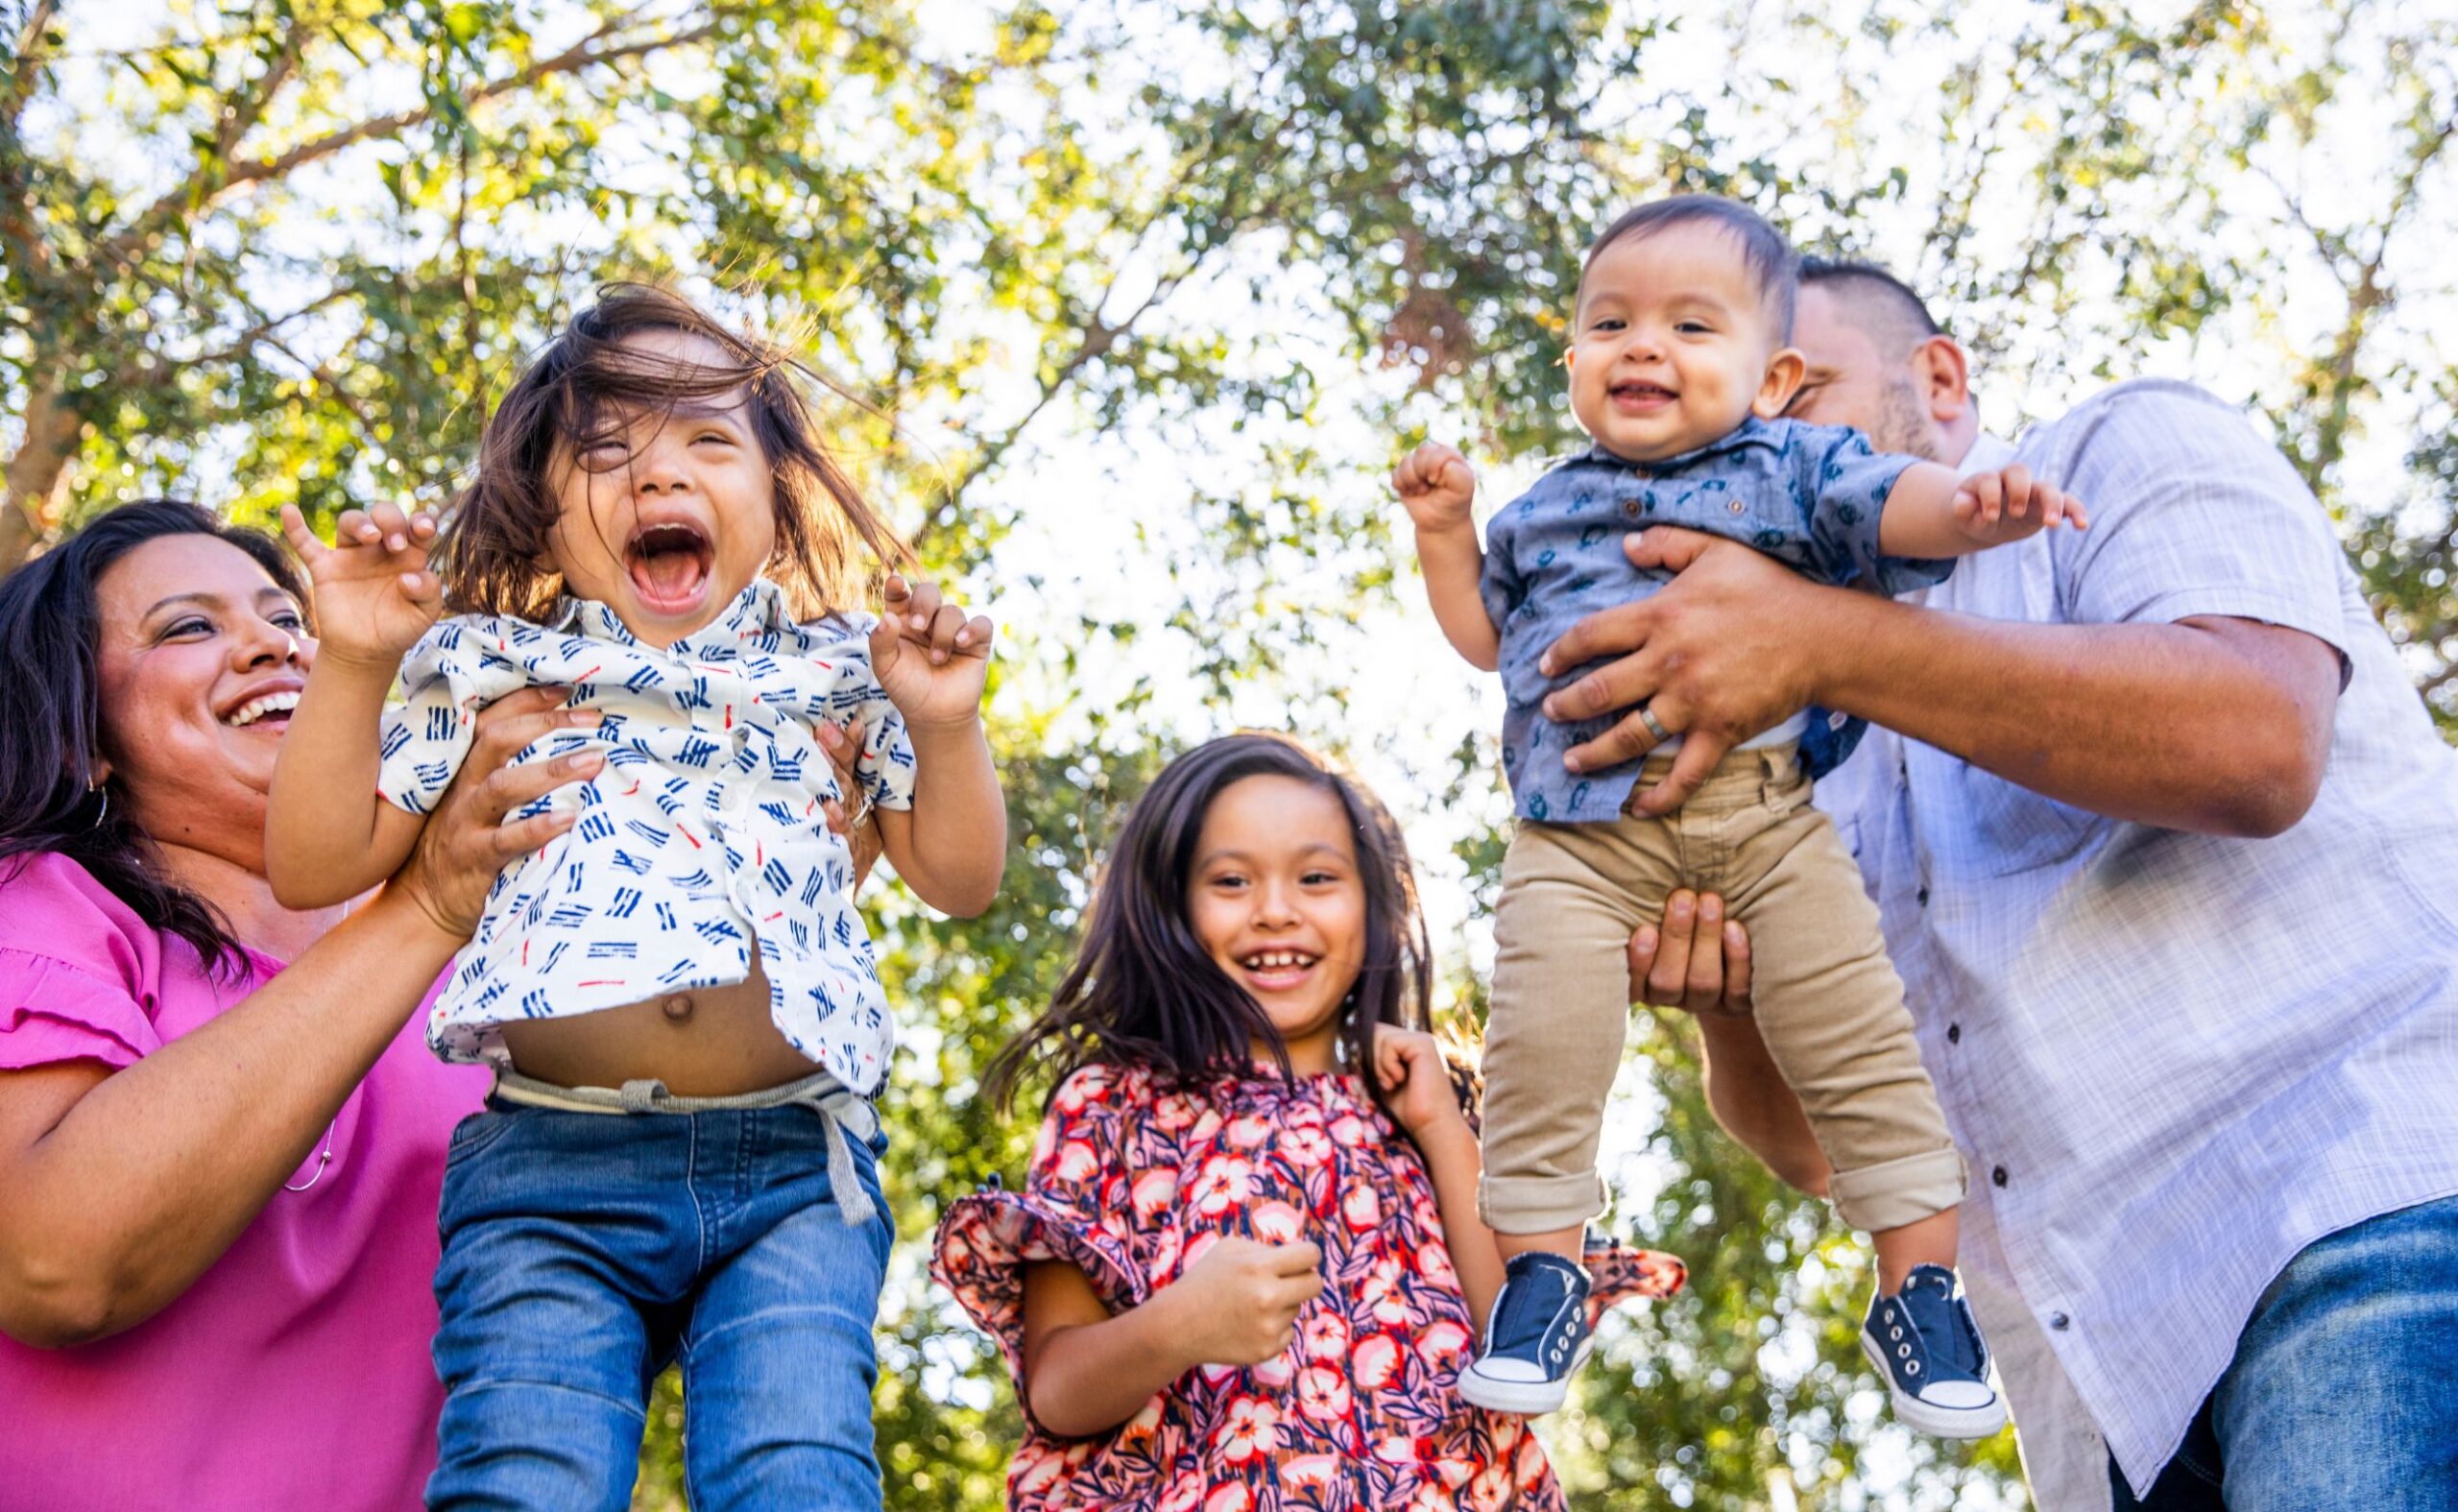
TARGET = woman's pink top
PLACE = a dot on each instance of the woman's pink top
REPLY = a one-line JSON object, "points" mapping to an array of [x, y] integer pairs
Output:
{"points": [[295, 1372], [1134, 1177]]}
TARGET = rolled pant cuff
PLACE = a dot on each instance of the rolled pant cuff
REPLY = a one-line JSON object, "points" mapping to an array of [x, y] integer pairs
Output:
{"points": [[1539, 1204], [1888, 1196]]}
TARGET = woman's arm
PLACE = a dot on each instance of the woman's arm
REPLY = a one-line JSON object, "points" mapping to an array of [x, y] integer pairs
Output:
{"points": [[1419, 1093], [1087, 1371], [118, 1189]]}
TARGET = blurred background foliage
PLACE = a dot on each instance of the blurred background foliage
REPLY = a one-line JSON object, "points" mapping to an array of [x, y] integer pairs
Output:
{"points": [[261, 251]]}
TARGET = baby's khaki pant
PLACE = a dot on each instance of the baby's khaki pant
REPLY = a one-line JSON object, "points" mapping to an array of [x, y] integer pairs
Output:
{"points": [[1827, 1000]]}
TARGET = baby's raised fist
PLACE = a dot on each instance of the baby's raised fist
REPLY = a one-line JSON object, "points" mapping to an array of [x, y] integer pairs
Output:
{"points": [[1437, 485]]}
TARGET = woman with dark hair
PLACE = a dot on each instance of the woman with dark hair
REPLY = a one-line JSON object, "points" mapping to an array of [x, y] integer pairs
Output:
{"points": [[1247, 1265], [220, 1136]]}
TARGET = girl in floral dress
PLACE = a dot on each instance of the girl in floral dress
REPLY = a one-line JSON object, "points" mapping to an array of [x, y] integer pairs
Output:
{"points": [[1242, 1275]]}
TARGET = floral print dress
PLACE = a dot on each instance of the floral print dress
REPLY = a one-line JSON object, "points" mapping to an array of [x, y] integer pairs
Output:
{"points": [[1134, 1176]]}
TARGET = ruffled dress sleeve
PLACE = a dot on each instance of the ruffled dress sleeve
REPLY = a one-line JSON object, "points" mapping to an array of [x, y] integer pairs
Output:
{"points": [[1076, 1207], [79, 971]]}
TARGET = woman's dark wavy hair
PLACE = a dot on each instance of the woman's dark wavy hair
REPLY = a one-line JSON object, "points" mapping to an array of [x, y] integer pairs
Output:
{"points": [[1144, 991], [585, 386], [50, 709]]}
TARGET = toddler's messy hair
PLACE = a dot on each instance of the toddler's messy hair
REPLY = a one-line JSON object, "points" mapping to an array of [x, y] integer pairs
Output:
{"points": [[1774, 268], [585, 388]]}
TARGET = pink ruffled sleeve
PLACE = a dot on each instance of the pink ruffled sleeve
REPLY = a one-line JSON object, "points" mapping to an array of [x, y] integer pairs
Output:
{"points": [[1074, 1208], [52, 1012]]}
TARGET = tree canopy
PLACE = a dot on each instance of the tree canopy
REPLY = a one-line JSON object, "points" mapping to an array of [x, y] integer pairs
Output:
{"points": [[1142, 300]]}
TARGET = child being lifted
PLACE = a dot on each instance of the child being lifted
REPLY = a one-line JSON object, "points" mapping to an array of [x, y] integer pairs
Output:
{"points": [[1680, 371]]}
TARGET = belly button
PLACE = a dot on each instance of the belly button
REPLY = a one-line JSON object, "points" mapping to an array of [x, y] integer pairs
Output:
{"points": [[677, 1007]]}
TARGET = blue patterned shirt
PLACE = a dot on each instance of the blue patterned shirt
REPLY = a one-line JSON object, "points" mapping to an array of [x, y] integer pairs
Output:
{"points": [[1807, 495], [701, 834]]}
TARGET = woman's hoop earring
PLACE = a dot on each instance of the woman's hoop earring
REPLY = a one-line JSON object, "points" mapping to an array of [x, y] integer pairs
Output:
{"points": [[103, 794]]}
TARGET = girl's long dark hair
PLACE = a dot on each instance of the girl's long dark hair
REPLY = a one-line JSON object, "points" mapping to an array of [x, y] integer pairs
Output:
{"points": [[1145, 992], [585, 386], [51, 715]]}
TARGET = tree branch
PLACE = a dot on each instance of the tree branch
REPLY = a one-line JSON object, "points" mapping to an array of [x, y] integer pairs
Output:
{"points": [[27, 62], [156, 221]]}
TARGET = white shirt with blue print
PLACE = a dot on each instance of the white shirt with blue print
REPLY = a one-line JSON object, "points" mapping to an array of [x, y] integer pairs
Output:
{"points": [[1808, 496], [703, 834]]}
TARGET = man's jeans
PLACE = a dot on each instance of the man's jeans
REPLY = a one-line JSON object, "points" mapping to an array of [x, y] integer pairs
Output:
{"points": [[2344, 1391], [582, 1252]]}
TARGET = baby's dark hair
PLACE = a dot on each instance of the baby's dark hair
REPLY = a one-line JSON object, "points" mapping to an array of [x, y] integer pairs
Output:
{"points": [[586, 386], [1774, 268], [1144, 992]]}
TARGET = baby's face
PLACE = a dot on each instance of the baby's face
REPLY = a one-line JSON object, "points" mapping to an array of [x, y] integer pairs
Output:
{"points": [[1673, 345], [669, 517]]}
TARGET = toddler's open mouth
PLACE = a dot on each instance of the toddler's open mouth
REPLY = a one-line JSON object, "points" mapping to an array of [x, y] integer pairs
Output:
{"points": [[669, 563]]}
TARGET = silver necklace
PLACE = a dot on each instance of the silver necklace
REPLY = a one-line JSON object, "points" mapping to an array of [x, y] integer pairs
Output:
{"points": [[324, 1157]]}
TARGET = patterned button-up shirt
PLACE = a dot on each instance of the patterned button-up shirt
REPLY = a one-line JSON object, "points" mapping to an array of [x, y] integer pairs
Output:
{"points": [[703, 834], [2177, 1059], [1808, 496]]}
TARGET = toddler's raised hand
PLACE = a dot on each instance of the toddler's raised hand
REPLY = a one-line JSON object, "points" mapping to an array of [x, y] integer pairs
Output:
{"points": [[1243, 1297], [1437, 485], [930, 660], [374, 596], [1994, 508]]}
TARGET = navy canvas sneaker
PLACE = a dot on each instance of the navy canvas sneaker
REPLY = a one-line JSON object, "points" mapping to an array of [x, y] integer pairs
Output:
{"points": [[1535, 1338], [1937, 1369]]}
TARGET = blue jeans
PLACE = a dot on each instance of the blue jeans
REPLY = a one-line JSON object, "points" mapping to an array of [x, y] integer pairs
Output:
{"points": [[584, 1251], [2344, 1391]]}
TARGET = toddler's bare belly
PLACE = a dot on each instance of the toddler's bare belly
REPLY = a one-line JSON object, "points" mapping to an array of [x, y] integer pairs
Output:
{"points": [[714, 1041]]}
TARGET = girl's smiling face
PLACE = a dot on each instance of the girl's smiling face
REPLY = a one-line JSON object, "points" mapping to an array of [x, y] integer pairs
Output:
{"points": [[669, 516], [1276, 898]]}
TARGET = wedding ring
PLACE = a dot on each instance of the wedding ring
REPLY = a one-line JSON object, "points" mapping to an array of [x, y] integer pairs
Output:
{"points": [[1655, 725]]}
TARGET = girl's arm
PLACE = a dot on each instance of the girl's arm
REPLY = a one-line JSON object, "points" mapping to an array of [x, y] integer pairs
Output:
{"points": [[1423, 1103], [328, 836], [933, 663], [118, 1189], [1437, 487], [1932, 512], [1087, 1370]]}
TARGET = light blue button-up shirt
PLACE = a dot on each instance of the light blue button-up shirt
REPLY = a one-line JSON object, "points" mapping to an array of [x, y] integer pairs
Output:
{"points": [[2173, 1060]]}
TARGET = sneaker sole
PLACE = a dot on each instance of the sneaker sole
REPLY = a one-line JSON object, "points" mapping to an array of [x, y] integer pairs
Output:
{"points": [[1928, 1418], [1528, 1399]]}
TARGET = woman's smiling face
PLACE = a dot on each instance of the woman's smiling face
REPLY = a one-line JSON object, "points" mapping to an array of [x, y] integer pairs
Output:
{"points": [[200, 660], [1276, 898]]}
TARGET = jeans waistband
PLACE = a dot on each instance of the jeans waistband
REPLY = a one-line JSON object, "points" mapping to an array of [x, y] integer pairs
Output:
{"points": [[838, 1105]]}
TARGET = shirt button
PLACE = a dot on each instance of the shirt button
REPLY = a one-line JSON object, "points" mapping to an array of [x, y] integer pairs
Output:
{"points": [[1954, 1034], [2060, 1321], [1632, 508], [1997, 1175], [1923, 897], [1735, 506]]}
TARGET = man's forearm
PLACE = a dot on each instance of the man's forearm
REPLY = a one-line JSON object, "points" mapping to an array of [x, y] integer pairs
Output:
{"points": [[2219, 726]]}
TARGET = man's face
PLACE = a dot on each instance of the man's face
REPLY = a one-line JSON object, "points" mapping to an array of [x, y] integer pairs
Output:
{"points": [[1851, 383]]}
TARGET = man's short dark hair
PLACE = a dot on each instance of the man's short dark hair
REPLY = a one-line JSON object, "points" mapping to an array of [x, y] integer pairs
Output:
{"points": [[1763, 251], [1877, 300]]}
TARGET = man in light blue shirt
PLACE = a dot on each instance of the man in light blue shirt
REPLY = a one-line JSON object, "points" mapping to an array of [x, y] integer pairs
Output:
{"points": [[2166, 849]]}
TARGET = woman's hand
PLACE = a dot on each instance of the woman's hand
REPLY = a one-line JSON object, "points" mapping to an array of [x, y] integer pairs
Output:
{"points": [[932, 660], [1416, 1083], [465, 843], [1699, 961], [860, 829]]}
